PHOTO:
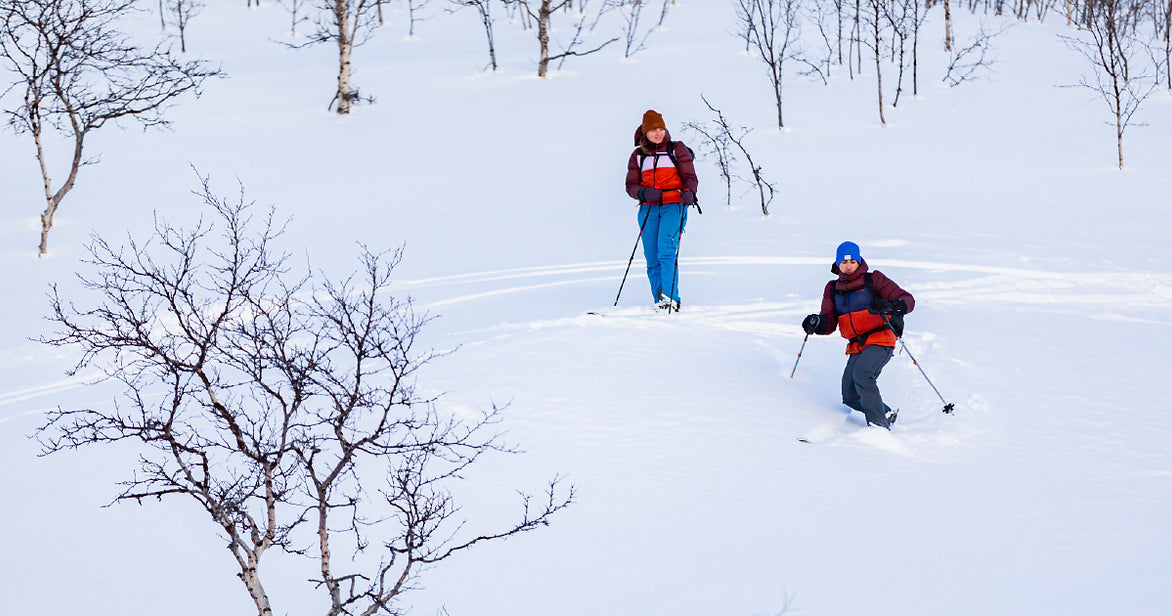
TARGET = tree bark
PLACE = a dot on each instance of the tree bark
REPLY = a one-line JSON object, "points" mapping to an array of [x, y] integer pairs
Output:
{"points": [[345, 47], [53, 199], [1168, 44], [255, 588], [878, 65], [947, 26], [543, 37], [777, 96]]}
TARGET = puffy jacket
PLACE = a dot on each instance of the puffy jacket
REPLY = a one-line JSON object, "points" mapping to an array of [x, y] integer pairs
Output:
{"points": [[845, 302], [657, 170]]}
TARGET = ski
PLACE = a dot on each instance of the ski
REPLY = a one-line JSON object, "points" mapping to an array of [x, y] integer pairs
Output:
{"points": [[835, 429]]}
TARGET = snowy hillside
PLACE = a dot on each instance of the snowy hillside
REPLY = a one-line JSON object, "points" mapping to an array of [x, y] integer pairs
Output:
{"points": [[1044, 312]]}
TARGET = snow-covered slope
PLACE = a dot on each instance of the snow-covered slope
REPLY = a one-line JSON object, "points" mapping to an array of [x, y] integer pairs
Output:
{"points": [[1043, 303]]}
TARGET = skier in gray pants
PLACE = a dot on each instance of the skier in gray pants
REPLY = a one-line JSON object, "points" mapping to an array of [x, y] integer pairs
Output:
{"points": [[860, 304]]}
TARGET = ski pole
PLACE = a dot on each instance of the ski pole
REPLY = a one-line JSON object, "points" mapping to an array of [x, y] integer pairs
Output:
{"points": [[791, 372], [948, 406], [632, 259], [676, 268]]}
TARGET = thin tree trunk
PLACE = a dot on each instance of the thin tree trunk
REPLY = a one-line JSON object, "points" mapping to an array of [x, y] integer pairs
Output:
{"points": [[51, 208], [543, 37], [859, 37], [256, 590], [776, 68], [252, 581], [947, 26], [878, 65], [1119, 137], [323, 533], [53, 200], [345, 46], [486, 18], [916, 53], [838, 16], [1118, 92], [181, 21], [1168, 44]]}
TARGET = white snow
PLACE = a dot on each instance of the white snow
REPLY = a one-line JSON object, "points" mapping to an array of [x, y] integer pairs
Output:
{"points": [[1044, 312]]}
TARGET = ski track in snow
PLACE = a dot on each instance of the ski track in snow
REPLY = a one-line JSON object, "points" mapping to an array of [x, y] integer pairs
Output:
{"points": [[1099, 295], [38, 391], [938, 284], [1030, 288]]}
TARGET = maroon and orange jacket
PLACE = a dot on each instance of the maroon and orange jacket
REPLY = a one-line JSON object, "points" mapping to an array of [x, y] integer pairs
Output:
{"points": [[657, 170], [845, 302]]}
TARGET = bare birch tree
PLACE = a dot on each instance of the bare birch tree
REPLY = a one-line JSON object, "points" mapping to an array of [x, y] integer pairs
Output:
{"points": [[634, 35], [1114, 51], [898, 15], [1163, 20], [484, 11], [773, 28], [828, 18], [542, 15], [712, 140], [966, 62], [281, 404], [947, 26], [414, 15], [76, 73], [721, 138], [184, 10], [874, 23], [297, 16], [347, 24]]}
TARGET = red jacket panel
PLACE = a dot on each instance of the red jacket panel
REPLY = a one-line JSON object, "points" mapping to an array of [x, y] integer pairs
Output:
{"points": [[657, 171], [845, 302]]}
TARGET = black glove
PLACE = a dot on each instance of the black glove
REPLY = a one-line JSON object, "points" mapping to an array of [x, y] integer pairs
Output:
{"points": [[652, 196], [812, 323], [883, 306], [688, 196]]}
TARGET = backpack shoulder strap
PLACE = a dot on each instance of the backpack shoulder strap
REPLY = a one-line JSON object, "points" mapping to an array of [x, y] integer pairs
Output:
{"points": [[869, 283], [895, 321], [671, 151], [671, 155]]}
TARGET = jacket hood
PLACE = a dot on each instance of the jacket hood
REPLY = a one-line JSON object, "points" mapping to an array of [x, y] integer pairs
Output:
{"points": [[858, 273]]}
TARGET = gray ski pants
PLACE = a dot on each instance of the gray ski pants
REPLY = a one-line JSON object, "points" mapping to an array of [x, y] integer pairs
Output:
{"points": [[860, 383]]}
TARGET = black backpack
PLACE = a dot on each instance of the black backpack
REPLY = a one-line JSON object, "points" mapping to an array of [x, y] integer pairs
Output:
{"points": [[895, 320]]}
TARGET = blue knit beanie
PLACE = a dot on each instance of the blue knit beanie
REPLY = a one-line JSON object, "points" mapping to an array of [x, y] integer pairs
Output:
{"points": [[847, 250]]}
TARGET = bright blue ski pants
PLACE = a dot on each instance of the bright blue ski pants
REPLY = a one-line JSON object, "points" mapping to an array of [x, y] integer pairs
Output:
{"points": [[662, 226]]}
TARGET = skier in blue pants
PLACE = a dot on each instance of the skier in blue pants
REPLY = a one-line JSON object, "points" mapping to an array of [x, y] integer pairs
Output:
{"points": [[661, 241], [660, 174]]}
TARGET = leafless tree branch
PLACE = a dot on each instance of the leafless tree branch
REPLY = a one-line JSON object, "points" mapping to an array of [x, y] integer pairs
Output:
{"points": [[278, 400]]}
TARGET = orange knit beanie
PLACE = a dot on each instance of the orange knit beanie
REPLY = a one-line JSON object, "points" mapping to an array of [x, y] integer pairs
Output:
{"points": [[652, 120]]}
